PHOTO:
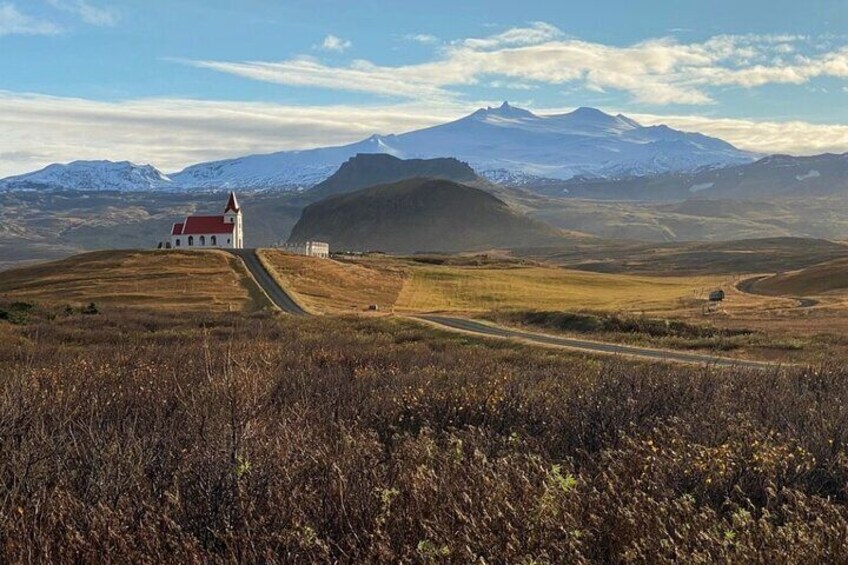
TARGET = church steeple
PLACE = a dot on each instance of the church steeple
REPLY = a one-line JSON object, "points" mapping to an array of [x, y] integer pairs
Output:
{"points": [[233, 215], [232, 204]]}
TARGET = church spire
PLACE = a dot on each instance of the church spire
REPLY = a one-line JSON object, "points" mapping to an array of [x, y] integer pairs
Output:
{"points": [[232, 204]]}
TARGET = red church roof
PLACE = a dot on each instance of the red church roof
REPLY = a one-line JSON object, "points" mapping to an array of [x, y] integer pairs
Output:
{"points": [[232, 204], [196, 225]]}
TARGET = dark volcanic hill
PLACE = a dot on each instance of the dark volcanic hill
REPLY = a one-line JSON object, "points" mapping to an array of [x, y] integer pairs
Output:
{"points": [[420, 215], [366, 170]]}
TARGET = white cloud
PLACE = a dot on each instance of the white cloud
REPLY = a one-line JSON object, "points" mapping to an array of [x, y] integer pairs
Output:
{"points": [[658, 71], [13, 22], [425, 38], [173, 133], [89, 13], [794, 137], [333, 43], [539, 32]]}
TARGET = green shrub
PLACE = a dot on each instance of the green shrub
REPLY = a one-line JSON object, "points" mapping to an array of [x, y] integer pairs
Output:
{"points": [[91, 309], [17, 312]]}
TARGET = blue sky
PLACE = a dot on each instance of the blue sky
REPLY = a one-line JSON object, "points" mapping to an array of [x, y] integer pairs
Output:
{"points": [[179, 81]]}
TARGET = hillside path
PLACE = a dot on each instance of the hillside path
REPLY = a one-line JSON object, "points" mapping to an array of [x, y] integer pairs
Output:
{"points": [[263, 278], [466, 325]]}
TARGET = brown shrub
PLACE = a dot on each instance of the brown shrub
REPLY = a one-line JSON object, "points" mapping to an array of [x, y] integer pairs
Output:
{"points": [[142, 437]]}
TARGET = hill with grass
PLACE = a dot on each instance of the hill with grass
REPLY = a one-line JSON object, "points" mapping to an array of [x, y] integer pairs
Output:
{"points": [[815, 280], [420, 215], [162, 280]]}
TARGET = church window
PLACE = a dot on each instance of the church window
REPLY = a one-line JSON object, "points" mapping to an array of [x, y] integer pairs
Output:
{"points": [[214, 240], [177, 242], [202, 240], [190, 240]]}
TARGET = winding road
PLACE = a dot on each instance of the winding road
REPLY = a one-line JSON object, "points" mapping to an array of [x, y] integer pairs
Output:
{"points": [[466, 325], [266, 282], [286, 303]]}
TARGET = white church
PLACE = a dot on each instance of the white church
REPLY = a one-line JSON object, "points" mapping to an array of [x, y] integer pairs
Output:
{"points": [[222, 232]]}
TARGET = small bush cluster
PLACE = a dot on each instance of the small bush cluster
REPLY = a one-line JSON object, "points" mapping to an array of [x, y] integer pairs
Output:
{"points": [[142, 437], [16, 312], [615, 323]]}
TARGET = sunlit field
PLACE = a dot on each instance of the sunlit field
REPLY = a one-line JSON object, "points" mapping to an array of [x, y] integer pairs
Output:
{"points": [[166, 280]]}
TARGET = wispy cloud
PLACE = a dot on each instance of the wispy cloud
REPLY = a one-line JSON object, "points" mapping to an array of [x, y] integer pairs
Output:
{"points": [[14, 22], [173, 133], [335, 43], [659, 71], [88, 12], [539, 32], [424, 38], [359, 76]]}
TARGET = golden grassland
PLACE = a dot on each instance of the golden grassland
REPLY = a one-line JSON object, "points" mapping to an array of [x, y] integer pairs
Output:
{"points": [[165, 280], [475, 286], [529, 287], [410, 286], [333, 287]]}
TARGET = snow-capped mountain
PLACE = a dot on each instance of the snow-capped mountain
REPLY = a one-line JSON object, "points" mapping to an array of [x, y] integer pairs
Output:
{"points": [[287, 169], [505, 144], [91, 175]]}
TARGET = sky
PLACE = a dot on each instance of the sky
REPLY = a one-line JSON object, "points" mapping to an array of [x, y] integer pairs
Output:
{"points": [[175, 82]]}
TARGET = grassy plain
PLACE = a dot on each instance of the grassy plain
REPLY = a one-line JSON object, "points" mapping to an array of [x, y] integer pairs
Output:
{"points": [[409, 285], [166, 280], [480, 289]]}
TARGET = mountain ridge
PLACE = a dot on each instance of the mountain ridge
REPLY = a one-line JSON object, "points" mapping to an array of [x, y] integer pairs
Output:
{"points": [[769, 177], [506, 144]]}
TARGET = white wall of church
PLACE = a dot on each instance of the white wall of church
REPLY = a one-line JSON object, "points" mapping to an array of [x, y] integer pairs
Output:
{"points": [[204, 241]]}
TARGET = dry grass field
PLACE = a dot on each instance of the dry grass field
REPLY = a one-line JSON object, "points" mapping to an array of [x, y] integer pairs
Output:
{"points": [[825, 278], [468, 285], [165, 280], [143, 436], [505, 289], [472, 289], [328, 286]]}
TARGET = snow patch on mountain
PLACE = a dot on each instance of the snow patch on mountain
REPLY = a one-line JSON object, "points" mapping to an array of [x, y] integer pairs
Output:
{"points": [[811, 174]]}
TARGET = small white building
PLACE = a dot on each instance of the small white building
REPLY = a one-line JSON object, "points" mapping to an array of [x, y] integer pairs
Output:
{"points": [[221, 232], [308, 248]]}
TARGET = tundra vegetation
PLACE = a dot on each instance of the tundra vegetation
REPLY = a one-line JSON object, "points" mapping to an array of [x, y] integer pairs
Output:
{"points": [[157, 436]]}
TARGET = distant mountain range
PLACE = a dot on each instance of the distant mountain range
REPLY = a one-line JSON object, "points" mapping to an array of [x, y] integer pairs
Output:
{"points": [[504, 144], [771, 177], [422, 214]]}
